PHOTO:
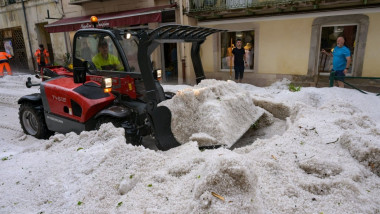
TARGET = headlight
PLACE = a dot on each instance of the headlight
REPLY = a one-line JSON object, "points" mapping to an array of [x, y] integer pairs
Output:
{"points": [[107, 84], [159, 74]]}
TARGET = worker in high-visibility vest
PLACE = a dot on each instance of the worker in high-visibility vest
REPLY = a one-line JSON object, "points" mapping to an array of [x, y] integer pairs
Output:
{"points": [[42, 56], [4, 62]]}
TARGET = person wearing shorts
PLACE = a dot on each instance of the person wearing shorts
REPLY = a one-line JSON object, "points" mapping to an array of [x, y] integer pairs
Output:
{"points": [[341, 60]]}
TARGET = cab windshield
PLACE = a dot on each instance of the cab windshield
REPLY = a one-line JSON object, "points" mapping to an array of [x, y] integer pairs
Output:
{"points": [[102, 55]]}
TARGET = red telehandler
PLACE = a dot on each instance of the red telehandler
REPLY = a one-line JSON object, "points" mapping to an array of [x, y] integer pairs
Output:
{"points": [[123, 90]]}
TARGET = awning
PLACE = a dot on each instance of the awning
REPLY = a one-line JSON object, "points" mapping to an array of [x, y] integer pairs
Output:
{"points": [[115, 19]]}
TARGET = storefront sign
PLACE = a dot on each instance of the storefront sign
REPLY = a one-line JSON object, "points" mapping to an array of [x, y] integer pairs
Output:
{"points": [[100, 25], [110, 20]]}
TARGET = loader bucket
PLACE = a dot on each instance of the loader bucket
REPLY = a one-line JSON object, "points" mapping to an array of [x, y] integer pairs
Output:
{"points": [[212, 113], [162, 117]]}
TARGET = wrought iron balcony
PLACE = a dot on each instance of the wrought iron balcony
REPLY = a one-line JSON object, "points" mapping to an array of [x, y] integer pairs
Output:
{"points": [[214, 9], [4, 3], [79, 2]]}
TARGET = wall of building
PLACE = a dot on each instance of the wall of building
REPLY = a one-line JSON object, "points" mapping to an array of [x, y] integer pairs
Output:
{"points": [[62, 42], [371, 66], [12, 16], [284, 46], [208, 47], [36, 13], [108, 6], [281, 49], [9, 16]]}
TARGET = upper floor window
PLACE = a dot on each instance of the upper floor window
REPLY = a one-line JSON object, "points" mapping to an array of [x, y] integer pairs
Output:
{"points": [[4, 3], [236, 4]]}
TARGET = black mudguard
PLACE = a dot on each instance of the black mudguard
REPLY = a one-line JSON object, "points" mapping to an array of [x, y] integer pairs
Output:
{"points": [[33, 98], [162, 118], [114, 111]]}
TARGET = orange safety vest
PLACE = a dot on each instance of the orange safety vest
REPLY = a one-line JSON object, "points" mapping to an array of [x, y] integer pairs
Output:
{"points": [[4, 57], [38, 55], [4, 62]]}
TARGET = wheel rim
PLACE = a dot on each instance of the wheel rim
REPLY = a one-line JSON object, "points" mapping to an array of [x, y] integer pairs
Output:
{"points": [[30, 122]]}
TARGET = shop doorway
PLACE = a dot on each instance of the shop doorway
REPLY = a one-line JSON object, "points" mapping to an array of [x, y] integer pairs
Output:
{"points": [[12, 40], [171, 62], [44, 38], [329, 34]]}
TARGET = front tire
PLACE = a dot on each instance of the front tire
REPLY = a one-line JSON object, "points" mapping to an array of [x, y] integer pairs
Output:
{"points": [[131, 133], [106, 119], [33, 122]]}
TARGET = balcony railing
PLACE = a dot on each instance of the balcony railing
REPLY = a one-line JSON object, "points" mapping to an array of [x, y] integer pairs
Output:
{"points": [[209, 8], [78, 2], [4, 3]]}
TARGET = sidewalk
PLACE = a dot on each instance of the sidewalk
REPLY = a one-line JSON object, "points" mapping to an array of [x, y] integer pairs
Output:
{"points": [[23, 72], [20, 72]]}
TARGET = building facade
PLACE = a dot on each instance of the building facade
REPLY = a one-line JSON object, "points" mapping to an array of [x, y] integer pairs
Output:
{"points": [[281, 38], [26, 24], [22, 29], [123, 15], [285, 38]]}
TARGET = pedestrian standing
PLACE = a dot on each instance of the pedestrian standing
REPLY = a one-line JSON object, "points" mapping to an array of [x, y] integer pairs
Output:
{"points": [[42, 56], [239, 61], [4, 62], [341, 60]]}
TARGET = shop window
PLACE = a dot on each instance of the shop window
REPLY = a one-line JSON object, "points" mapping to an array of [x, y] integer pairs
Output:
{"points": [[228, 42]]}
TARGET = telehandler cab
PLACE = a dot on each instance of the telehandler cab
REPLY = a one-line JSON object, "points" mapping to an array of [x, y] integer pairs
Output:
{"points": [[112, 81]]}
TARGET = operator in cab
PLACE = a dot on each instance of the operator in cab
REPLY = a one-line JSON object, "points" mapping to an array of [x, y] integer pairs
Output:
{"points": [[106, 61]]}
